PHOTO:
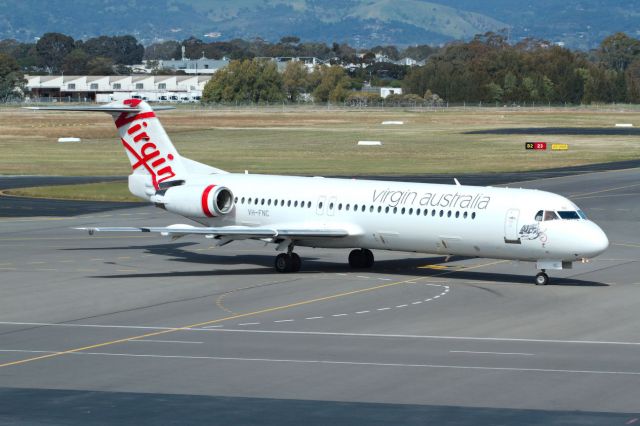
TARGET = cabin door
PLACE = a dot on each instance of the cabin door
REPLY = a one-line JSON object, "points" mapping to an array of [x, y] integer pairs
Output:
{"points": [[511, 227]]}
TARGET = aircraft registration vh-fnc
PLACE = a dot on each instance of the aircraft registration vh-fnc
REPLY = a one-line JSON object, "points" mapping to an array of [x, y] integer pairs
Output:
{"points": [[502, 223]]}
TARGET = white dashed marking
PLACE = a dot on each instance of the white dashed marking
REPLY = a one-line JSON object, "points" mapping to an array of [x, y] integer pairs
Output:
{"points": [[250, 323], [312, 318], [339, 315], [287, 320], [363, 312]]}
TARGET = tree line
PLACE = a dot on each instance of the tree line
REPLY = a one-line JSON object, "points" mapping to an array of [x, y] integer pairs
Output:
{"points": [[486, 69]]}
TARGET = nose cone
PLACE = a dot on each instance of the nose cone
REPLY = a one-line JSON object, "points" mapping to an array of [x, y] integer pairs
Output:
{"points": [[595, 241]]}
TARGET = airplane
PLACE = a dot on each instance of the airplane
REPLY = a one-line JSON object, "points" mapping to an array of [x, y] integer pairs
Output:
{"points": [[363, 215]]}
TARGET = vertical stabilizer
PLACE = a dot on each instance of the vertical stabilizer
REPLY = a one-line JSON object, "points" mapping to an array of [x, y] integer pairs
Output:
{"points": [[146, 143]]}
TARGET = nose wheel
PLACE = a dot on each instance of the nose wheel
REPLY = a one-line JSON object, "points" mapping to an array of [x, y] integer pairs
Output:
{"points": [[542, 278]]}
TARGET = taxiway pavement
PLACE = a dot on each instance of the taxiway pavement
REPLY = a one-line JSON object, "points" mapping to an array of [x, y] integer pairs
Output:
{"points": [[138, 329]]}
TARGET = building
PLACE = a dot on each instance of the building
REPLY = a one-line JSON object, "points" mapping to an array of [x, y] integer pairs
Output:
{"points": [[93, 88]]}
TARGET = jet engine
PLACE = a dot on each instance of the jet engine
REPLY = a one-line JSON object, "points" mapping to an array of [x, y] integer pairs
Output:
{"points": [[196, 200]]}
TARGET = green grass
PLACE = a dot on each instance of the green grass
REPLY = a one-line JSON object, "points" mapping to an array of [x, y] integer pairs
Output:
{"points": [[313, 142], [104, 191]]}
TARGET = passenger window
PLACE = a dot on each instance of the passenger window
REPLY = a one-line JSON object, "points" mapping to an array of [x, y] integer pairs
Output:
{"points": [[550, 215], [262, 202], [402, 211], [449, 213], [473, 215], [347, 207], [441, 213], [464, 215], [331, 206], [308, 204], [364, 207], [242, 200], [340, 206], [281, 203], [236, 200], [288, 203], [355, 207], [370, 209], [457, 215], [386, 209], [410, 211], [395, 210], [433, 212], [295, 204], [255, 201], [320, 205], [269, 202], [379, 209]]}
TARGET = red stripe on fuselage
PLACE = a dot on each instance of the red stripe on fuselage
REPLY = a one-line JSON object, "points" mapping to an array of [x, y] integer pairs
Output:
{"points": [[126, 118], [205, 198]]}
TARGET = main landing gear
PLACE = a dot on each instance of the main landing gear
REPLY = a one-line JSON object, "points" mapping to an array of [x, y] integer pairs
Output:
{"points": [[290, 261], [361, 259], [542, 278]]}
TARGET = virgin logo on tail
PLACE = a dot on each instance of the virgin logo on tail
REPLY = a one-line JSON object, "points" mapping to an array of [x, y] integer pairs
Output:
{"points": [[144, 150]]}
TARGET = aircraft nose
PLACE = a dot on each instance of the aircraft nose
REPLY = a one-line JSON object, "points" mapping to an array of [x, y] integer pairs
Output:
{"points": [[596, 241]]}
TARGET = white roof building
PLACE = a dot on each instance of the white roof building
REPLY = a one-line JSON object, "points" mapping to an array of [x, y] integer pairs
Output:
{"points": [[87, 87]]}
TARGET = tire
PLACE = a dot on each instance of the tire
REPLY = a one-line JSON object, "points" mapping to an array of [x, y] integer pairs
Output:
{"points": [[542, 278], [283, 263], [368, 258], [356, 259], [296, 263]]}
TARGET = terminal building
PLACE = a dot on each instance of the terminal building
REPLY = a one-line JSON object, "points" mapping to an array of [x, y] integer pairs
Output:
{"points": [[107, 88]]}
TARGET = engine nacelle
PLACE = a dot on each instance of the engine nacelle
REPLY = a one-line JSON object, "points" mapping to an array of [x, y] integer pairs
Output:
{"points": [[198, 201]]}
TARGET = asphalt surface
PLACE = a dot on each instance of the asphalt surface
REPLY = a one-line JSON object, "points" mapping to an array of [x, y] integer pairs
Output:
{"points": [[136, 329]]}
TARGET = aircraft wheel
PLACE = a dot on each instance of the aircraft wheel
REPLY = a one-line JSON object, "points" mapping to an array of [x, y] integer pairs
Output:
{"points": [[542, 278], [360, 258], [356, 259], [368, 258], [283, 262], [296, 263]]}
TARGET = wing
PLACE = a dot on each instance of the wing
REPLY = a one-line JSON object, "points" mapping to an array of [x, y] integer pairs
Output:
{"points": [[230, 232]]}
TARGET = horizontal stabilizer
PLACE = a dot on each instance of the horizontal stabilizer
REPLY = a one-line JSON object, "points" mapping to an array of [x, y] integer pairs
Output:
{"points": [[109, 108]]}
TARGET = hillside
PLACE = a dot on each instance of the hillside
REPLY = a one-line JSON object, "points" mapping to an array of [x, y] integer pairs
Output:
{"points": [[579, 23]]}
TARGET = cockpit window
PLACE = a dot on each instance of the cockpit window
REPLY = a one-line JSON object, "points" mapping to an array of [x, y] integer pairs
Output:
{"points": [[539, 216], [581, 214], [550, 215], [569, 214]]}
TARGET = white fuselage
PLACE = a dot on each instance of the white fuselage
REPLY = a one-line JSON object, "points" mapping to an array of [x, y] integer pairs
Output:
{"points": [[414, 217]]}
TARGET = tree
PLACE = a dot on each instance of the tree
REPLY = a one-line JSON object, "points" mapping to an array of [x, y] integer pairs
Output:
{"points": [[11, 78], [76, 62], [295, 80], [245, 81], [632, 76], [52, 48], [120, 49], [165, 50], [100, 66], [618, 51], [290, 40], [333, 84]]}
